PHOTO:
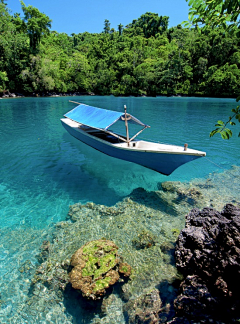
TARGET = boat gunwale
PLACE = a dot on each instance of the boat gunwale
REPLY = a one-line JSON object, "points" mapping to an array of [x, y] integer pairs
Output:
{"points": [[132, 149]]}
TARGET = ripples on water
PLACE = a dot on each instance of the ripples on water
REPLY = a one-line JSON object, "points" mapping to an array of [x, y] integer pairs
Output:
{"points": [[44, 170]]}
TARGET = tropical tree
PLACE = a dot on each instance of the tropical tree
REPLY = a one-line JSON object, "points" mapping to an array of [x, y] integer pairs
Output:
{"points": [[13, 50], [145, 57], [214, 13], [37, 25], [120, 29], [224, 13], [150, 24], [3, 80], [107, 25]]}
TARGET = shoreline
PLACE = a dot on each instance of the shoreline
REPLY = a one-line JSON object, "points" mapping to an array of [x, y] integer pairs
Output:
{"points": [[76, 94]]}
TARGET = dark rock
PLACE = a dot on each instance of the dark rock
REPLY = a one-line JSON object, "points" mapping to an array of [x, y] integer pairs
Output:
{"points": [[208, 254], [195, 301], [230, 211]]}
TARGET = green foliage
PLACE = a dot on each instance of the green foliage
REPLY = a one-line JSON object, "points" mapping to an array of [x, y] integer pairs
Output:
{"points": [[106, 28], [120, 29], [37, 24], [224, 79], [149, 24], [3, 80], [221, 128], [214, 13], [144, 58]]}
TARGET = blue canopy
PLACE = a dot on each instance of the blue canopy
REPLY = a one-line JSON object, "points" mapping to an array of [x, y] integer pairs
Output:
{"points": [[98, 117]]}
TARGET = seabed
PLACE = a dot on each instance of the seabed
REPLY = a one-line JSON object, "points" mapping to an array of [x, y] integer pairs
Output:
{"points": [[145, 226]]}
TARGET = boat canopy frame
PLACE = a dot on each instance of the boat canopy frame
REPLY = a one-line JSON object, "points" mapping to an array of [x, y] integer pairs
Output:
{"points": [[102, 119]]}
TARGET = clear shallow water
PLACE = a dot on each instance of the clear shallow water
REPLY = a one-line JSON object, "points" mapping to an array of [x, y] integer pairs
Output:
{"points": [[44, 170]]}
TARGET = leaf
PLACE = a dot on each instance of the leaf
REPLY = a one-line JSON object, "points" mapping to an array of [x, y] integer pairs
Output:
{"points": [[214, 132], [220, 123], [237, 116], [186, 24], [226, 133], [190, 2], [223, 135]]}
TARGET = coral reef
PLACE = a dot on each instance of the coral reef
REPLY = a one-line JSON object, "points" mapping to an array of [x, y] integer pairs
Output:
{"points": [[160, 214], [121, 223], [97, 265]]}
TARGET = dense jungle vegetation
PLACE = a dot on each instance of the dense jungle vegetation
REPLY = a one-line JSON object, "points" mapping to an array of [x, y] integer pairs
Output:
{"points": [[146, 57]]}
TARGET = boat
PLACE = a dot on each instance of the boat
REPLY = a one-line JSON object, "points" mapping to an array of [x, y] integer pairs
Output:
{"points": [[91, 125]]}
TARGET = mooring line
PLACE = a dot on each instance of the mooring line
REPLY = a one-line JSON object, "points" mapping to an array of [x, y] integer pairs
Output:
{"points": [[214, 163]]}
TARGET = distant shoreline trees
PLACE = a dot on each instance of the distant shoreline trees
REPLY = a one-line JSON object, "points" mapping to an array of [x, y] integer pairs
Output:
{"points": [[143, 58]]}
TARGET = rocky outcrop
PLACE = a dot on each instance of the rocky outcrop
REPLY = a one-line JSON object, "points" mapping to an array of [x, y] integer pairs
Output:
{"points": [[97, 266], [208, 254]]}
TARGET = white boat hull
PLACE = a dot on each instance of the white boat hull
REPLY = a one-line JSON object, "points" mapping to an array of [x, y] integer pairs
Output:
{"points": [[158, 157]]}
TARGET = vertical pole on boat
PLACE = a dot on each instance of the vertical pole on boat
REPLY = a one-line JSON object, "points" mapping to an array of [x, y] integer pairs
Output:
{"points": [[126, 124]]}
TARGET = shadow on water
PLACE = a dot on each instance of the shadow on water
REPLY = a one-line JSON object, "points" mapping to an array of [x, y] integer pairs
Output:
{"points": [[152, 200], [82, 310], [168, 293]]}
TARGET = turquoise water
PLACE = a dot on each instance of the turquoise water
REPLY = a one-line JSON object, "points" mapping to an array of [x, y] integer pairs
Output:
{"points": [[44, 170]]}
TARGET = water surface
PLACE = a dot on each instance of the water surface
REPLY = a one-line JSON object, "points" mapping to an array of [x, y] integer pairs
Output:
{"points": [[44, 170]]}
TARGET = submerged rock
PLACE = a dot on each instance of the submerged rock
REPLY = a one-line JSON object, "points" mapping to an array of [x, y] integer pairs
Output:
{"points": [[97, 266], [195, 300], [145, 239], [183, 192], [45, 248], [144, 309]]}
